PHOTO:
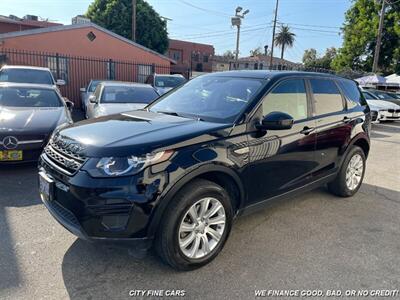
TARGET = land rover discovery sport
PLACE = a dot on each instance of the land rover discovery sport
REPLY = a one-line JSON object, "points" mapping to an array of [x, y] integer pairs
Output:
{"points": [[177, 173]]}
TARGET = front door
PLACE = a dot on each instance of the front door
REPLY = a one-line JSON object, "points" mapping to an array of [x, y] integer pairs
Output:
{"points": [[281, 160]]}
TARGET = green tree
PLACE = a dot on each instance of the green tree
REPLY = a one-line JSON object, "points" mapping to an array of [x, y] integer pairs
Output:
{"points": [[359, 37], [284, 38], [229, 54], [256, 52], [116, 15], [312, 60]]}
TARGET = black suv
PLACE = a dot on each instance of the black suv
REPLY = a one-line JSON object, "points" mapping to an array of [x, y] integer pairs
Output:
{"points": [[177, 173]]}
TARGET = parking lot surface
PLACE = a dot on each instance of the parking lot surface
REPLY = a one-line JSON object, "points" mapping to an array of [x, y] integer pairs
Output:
{"points": [[314, 241]]}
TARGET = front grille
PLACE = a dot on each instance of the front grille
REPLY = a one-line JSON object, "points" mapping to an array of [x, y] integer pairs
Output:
{"points": [[391, 110], [24, 137], [64, 213], [397, 111], [65, 161]]}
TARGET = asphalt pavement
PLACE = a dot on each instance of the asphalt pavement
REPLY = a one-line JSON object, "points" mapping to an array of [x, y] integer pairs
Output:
{"points": [[315, 241]]}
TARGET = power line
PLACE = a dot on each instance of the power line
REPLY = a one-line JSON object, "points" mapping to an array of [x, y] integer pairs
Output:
{"points": [[220, 34], [217, 13], [310, 25]]}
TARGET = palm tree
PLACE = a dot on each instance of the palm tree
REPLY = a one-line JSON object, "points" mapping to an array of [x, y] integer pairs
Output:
{"points": [[284, 38]]}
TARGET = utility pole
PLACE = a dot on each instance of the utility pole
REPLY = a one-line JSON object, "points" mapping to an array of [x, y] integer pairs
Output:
{"points": [[237, 47], [237, 21], [134, 20], [379, 38], [273, 34]]}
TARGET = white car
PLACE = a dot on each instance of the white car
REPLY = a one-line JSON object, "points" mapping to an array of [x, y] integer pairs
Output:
{"points": [[381, 110], [116, 97], [28, 74], [86, 92]]}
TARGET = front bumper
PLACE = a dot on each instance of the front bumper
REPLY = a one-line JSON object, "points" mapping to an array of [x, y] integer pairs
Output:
{"points": [[389, 115], [116, 210]]}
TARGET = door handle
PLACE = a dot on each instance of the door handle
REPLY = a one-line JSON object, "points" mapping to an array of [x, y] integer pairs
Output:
{"points": [[346, 120], [307, 130]]}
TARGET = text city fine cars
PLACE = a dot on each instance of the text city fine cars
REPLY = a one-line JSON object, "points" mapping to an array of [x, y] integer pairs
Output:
{"points": [[177, 173]]}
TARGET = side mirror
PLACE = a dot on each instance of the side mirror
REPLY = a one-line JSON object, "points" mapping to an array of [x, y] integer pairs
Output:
{"points": [[69, 104], [60, 82], [276, 121], [92, 99], [83, 90]]}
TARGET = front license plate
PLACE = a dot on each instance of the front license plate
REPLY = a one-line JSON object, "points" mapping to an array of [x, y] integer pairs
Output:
{"points": [[11, 155], [45, 187]]}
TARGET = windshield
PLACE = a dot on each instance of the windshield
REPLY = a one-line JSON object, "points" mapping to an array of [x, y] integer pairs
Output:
{"points": [[368, 96], [128, 94], [211, 98], [26, 76], [382, 96], [168, 81], [93, 85], [26, 97]]}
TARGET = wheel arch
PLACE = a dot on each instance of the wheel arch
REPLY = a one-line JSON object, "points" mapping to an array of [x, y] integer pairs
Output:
{"points": [[219, 174]]}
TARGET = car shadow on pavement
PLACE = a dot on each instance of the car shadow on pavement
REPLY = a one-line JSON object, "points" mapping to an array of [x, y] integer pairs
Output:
{"points": [[18, 188], [291, 238], [386, 127]]}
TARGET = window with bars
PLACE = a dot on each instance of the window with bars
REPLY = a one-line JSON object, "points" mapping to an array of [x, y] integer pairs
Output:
{"points": [[58, 66]]}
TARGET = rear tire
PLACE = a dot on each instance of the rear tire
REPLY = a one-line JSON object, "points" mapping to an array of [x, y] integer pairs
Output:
{"points": [[351, 174], [183, 229]]}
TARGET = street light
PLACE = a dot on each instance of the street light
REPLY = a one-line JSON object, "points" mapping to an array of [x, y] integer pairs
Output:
{"points": [[237, 21]]}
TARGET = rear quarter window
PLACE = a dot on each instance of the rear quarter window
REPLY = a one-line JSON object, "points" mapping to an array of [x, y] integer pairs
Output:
{"points": [[353, 95]]}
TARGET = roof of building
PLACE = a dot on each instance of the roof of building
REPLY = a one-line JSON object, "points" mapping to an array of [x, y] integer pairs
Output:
{"points": [[27, 22], [190, 42], [79, 26], [267, 74], [265, 59]]}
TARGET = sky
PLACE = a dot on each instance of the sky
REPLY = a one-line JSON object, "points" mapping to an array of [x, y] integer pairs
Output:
{"points": [[316, 23]]}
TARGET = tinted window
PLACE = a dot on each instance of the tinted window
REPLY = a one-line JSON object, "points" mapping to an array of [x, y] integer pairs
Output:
{"points": [[212, 98], [352, 93], [26, 76], [93, 86], [169, 81], [327, 96], [289, 97], [368, 96], [128, 94], [382, 95], [25, 97]]}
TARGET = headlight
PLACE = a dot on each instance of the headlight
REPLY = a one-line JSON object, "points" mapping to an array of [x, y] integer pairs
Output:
{"points": [[123, 166]]}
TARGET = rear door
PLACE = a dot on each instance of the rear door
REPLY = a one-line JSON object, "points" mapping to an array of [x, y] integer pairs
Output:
{"points": [[333, 125], [281, 160]]}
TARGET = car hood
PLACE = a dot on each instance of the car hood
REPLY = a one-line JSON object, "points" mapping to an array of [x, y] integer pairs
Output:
{"points": [[380, 104], [116, 108], [38, 120], [139, 132]]}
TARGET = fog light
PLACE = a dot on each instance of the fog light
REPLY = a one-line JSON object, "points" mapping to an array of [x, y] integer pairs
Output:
{"points": [[115, 222]]}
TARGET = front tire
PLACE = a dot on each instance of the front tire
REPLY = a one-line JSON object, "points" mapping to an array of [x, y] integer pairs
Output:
{"points": [[195, 226], [351, 174]]}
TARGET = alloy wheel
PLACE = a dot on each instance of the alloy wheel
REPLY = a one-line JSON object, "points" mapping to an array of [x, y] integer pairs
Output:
{"points": [[354, 172], [202, 228]]}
